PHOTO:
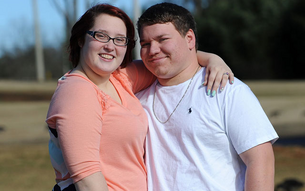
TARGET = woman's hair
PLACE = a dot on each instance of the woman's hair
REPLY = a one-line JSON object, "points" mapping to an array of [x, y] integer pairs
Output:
{"points": [[80, 28]]}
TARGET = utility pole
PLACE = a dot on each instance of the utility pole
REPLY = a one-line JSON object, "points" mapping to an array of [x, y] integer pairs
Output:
{"points": [[136, 15], [40, 70]]}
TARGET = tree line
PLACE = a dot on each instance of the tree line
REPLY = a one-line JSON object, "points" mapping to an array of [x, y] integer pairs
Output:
{"points": [[258, 39]]}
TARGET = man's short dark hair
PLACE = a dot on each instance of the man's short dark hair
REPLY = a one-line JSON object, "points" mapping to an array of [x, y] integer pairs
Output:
{"points": [[162, 13]]}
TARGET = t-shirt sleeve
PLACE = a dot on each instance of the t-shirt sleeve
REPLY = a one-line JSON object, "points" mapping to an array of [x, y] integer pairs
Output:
{"points": [[139, 76], [76, 112], [247, 125]]}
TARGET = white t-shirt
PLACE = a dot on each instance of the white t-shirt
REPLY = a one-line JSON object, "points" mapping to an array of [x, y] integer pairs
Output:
{"points": [[199, 147]]}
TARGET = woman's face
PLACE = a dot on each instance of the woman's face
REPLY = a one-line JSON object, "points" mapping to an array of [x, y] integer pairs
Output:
{"points": [[99, 57]]}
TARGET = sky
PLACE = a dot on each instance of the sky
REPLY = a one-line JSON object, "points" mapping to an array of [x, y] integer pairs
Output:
{"points": [[17, 21]]}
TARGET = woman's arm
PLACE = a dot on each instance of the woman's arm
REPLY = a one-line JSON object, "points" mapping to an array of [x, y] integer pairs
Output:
{"points": [[94, 182], [139, 76], [217, 71], [78, 117]]}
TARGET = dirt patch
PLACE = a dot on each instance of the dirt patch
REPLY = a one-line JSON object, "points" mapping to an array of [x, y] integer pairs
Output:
{"points": [[26, 91], [25, 96], [23, 122], [289, 165]]}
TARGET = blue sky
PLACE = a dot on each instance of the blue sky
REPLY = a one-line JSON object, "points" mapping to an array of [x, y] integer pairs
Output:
{"points": [[17, 21]]}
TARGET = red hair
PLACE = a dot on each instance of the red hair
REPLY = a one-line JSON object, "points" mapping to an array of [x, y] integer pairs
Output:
{"points": [[86, 22]]}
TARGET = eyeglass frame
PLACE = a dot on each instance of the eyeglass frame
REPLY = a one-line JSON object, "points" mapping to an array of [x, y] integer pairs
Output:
{"points": [[92, 33]]}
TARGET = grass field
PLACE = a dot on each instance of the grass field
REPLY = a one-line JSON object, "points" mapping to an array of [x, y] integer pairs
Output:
{"points": [[24, 160]]}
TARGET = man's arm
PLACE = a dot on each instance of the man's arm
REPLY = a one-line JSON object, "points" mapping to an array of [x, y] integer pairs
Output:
{"points": [[260, 168]]}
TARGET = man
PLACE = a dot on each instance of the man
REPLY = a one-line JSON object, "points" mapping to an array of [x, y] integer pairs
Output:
{"points": [[195, 141]]}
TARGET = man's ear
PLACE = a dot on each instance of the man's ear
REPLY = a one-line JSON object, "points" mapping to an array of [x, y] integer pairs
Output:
{"points": [[191, 39]]}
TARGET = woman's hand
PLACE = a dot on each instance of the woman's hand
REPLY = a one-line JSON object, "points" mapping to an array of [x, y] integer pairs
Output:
{"points": [[217, 72]]}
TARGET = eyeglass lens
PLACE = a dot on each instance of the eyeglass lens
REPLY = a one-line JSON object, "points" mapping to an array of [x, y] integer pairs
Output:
{"points": [[121, 41]]}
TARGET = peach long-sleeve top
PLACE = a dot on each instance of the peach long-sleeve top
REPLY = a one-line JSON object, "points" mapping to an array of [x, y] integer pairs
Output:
{"points": [[90, 132]]}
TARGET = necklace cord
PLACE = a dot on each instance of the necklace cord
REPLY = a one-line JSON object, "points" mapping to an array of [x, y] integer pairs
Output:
{"points": [[153, 106]]}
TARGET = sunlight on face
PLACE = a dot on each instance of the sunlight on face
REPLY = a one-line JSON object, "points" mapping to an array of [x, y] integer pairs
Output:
{"points": [[104, 57]]}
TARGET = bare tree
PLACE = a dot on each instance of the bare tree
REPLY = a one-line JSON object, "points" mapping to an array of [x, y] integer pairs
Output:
{"points": [[68, 10], [40, 69], [136, 15]]}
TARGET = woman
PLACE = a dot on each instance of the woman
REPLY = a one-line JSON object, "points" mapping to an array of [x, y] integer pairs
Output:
{"points": [[97, 125]]}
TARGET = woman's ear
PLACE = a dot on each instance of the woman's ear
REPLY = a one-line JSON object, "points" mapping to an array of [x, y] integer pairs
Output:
{"points": [[80, 43]]}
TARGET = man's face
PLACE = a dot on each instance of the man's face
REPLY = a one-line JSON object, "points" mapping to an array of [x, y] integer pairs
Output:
{"points": [[163, 50]]}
